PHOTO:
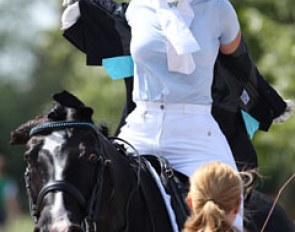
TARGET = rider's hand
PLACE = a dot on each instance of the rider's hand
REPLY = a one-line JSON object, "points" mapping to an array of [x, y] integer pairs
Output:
{"points": [[287, 113], [70, 15], [68, 2]]}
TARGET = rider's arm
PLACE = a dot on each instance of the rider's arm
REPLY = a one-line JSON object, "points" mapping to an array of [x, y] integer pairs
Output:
{"points": [[265, 103], [257, 97]]}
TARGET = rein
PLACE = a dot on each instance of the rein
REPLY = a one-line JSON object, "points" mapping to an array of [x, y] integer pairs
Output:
{"points": [[92, 205], [135, 154]]}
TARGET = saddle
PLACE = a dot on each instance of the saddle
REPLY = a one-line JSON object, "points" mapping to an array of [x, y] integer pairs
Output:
{"points": [[175, 184]]}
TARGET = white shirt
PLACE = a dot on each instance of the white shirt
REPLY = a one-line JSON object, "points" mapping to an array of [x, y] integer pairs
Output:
{"points": [[215, 23]]}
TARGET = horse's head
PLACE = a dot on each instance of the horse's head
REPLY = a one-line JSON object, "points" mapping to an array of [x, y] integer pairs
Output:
{"points": [[62, 154]]}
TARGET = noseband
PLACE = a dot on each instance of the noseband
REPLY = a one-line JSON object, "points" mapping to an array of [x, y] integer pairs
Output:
{"points": [[91, 206]]}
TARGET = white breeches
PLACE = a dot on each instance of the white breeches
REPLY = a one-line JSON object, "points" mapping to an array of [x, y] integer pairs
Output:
{"points": [[185, 134]]}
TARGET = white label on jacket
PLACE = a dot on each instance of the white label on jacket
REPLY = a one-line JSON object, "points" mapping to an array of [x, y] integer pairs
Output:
{"points": [[245, 97]]}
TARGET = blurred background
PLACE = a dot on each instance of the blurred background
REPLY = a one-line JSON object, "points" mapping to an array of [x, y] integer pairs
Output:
{"points": [[36, 61]]}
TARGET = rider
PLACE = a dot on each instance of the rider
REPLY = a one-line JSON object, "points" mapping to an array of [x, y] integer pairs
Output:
{"points": [[213, 206], [101, 47], [165, 100], [169, 80]]}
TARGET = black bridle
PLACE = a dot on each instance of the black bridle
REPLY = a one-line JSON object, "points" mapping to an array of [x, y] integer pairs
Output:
{"points": [[90, 206]]}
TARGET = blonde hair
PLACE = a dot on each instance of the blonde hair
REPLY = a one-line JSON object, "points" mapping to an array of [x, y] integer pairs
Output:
{"points": [[215, 190]]}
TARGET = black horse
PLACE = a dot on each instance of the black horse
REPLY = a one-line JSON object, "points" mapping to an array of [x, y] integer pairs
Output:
{"points": [[78, 180]]}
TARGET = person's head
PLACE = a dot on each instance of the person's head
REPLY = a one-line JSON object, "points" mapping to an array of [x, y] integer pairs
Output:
{"points": [[214, 198]]}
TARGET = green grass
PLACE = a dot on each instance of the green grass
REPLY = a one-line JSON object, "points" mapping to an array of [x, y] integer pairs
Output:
{"points": [[20, 224]]}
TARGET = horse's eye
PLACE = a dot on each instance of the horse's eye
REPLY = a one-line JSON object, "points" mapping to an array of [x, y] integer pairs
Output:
{"points": [[92, 157]]}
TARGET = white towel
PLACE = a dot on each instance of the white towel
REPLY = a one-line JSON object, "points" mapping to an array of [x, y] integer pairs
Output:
{"points": [[175, 17]]}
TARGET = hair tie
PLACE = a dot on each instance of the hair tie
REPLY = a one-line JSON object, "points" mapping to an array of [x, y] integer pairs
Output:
{"points": [[210, 199]]}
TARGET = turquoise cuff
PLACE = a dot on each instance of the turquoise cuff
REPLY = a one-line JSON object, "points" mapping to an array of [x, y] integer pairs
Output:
{"points": [[251, 124], [119, 67]]}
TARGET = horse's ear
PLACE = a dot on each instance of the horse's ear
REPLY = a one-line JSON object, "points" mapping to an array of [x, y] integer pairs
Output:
{"points": [[18, 137], [57, 113], [21, 135], [68, 100], [85, 112]]}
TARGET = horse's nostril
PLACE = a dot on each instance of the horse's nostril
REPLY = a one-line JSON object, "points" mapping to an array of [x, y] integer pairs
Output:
{"points": [[36, 229], [58, 230], [74, 228]]}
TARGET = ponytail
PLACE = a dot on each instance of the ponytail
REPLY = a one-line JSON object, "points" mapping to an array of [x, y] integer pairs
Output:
{"points": [[210, 218], [215, 191]]}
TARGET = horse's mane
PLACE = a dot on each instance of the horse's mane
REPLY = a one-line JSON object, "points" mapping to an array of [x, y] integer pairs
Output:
{"points": [[103, 129]]}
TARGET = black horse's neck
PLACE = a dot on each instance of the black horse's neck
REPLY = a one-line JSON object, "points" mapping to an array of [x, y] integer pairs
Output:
{"points": [[134, 195], [120, 188]]}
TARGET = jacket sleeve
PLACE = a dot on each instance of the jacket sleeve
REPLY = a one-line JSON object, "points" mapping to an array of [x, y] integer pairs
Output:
{"points": [[101, 31], [257, 96]]}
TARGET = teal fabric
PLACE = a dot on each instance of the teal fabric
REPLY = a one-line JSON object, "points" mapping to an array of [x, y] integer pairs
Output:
{"points": [[252, 125], [119, 67]]}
